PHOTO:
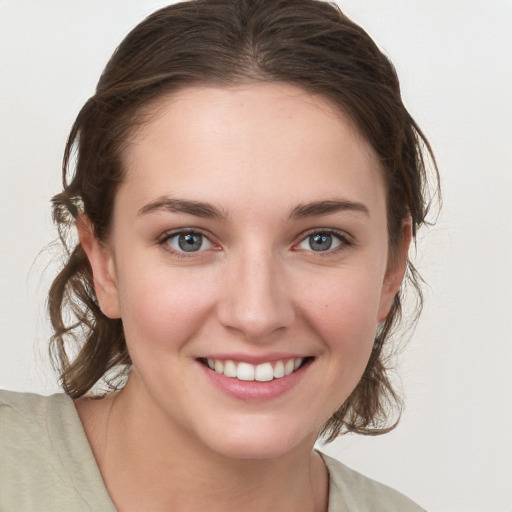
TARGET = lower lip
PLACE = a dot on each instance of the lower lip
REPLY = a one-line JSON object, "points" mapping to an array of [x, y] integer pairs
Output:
{"points": [[255, 390]]}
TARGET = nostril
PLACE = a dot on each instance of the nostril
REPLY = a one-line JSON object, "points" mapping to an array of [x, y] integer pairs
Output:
{"points": [[255, 304]]}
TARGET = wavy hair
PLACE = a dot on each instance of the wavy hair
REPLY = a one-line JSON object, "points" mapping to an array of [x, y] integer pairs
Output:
{"points": [[308, 43]]}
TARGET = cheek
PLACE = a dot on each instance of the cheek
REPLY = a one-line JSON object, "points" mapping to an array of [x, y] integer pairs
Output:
{"points": [[162, 309], [343, 310]]}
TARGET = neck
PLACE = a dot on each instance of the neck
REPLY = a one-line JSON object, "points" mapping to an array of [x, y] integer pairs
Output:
{"points": [[148, 463]]}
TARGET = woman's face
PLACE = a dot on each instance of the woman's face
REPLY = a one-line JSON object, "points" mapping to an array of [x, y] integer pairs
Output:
{"points": [[248, 241]]}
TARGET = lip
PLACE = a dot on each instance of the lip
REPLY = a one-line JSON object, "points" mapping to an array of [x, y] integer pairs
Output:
{"points": [[255, 390], [255, 360]]}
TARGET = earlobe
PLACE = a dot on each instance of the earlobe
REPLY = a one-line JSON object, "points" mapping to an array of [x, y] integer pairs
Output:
{"points": [[103, 268], [395, 271]]}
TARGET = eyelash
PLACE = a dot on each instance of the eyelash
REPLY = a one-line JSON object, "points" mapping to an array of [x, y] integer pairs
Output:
{"points": [[164, 241], [340, 236]]}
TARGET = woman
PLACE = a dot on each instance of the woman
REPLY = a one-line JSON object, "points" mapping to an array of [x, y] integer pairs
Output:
{"points": [[246, 187]]}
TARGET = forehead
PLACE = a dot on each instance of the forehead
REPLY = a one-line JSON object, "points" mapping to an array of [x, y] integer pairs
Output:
{"points": [[263, 140]]}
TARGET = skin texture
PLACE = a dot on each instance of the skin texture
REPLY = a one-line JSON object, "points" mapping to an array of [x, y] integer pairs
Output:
{"points": [[255, 291]]}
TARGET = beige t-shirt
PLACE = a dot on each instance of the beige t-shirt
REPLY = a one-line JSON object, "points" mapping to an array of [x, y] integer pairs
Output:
{"points": [[47, 465]]}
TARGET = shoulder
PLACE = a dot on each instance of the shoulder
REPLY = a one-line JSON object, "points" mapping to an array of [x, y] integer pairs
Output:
{"points": [[350, 491], [23, 406], [28, 420], [24, 417], [45, 459]]}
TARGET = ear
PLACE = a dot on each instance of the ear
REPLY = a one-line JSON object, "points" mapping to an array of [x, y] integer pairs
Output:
{"points": [[395, 271], [103, 269]]}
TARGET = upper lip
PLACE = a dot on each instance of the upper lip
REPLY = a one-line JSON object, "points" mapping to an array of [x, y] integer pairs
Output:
{"points": [[255, 359]]}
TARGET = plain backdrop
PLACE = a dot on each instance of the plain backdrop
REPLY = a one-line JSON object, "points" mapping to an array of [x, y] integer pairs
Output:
{"points": [[452, 450]]}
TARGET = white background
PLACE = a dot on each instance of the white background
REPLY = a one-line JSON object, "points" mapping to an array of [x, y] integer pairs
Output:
{"points": [[452, 450]]}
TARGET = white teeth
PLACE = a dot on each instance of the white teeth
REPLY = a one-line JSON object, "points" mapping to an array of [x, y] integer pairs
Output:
{"points": [[288, 367], [279, 370], [230, 369], [264, 372], [245, 371]]}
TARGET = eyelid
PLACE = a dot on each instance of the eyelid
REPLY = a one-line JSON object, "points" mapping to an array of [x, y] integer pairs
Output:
{"points": [[344, 238], [168, 235]]}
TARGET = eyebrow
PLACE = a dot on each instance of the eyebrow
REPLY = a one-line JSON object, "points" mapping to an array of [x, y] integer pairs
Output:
{"points": [[209, 211], [302, 211], [196, 208]]}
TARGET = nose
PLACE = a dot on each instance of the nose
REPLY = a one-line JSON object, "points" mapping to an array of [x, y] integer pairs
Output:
{"points": [[256, 303]]}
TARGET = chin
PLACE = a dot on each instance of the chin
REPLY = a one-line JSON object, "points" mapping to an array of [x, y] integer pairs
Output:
{"points": [[258, 442]]}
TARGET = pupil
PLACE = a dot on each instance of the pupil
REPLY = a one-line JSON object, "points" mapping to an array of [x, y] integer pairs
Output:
{"points": [[190, 242], [320, 242]]}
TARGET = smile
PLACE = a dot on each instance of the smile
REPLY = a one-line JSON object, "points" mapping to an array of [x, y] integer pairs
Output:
{"points": [[264, 372]]}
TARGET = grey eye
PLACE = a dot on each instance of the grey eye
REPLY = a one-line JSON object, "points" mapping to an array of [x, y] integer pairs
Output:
{"points": [[320, 242], [189, 242]]}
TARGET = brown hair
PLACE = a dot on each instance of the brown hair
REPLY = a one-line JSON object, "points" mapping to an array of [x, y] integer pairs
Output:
{"points": [[308, 43]]}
